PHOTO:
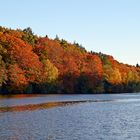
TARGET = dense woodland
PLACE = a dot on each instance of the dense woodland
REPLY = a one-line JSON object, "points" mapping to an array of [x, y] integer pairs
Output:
{"points": [[33, 64]]}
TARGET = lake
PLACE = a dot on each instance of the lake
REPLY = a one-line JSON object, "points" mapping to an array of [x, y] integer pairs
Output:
{"points": [[70, 117]]}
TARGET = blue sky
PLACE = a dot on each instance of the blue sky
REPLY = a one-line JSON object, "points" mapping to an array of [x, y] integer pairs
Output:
{"points": [[108, 26]]}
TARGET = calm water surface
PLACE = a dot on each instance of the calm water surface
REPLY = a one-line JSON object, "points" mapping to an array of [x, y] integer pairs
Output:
{"points": [[70, 117]]}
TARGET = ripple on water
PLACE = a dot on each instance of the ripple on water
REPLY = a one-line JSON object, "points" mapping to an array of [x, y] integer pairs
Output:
{"points": [[107, 120]]}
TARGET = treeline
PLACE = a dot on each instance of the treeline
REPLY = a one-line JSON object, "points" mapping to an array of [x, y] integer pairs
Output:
{"points": [[32, 64]]}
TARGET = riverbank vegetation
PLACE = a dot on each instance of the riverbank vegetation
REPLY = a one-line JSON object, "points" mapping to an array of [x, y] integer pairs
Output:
{"points": [[33, 64]]}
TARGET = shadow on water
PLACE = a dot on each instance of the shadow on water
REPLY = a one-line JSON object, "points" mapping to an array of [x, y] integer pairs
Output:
{"points": [[31, 107]]}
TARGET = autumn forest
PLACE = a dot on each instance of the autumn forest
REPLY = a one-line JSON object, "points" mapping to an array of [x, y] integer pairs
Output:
{"points": [[33, 64]]}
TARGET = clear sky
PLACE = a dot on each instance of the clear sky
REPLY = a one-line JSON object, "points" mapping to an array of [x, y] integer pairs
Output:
{"points": [[108, 26]]}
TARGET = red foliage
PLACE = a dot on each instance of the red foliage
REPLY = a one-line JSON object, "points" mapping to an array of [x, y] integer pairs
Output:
{"points": [[16, 78]]}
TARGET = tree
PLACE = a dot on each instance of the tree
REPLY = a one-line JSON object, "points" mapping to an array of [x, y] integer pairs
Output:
{"points": [[3, 75], [137, 65], [28, 31], [57, 38], [29, 36], [32, 64], [48, 78], [16, 79], [50, 71]]}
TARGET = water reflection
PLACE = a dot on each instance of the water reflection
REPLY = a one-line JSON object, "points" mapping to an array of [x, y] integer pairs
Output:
{"points": [[19, 100], [48, 105], [18, 96]]}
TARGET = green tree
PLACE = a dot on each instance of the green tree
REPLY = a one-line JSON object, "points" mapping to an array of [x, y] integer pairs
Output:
{"points": [[29, 36]]}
